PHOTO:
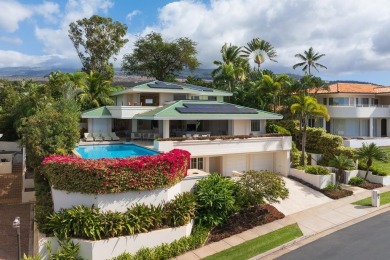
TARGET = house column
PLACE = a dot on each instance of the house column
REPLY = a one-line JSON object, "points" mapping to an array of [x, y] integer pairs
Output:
{"points": [[165, 128], [324, 123], [134, 125], [371, 127]]}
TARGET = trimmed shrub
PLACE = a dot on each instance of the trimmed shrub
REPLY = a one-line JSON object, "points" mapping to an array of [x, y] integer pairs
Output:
{"points": [[295, 156], [216, 200], [318, 141], [259, 187], [356, 181], [166, 251], [90, 223], [317, 170], [104, 176]]}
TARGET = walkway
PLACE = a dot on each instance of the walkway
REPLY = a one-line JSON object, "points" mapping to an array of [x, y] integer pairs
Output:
{"points": [[314, 222]]}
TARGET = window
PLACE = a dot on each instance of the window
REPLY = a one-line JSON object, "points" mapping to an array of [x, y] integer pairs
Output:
{"points": [[179, 97], [341, 101], [255, 126], [212, 98], [196, 163], [324, 101]]}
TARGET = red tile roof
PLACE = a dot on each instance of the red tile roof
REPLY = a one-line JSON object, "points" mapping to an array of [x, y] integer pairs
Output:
{"points": [[353, 88]]}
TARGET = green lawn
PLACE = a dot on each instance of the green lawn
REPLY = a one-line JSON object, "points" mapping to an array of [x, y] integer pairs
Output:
{"points": [[385, 199], [260, 244], [381, 165]]}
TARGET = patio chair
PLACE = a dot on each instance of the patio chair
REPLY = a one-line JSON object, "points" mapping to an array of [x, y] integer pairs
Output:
{"points": [[106, 137], [97, 137], [144, 136], [151, 136], [88, 137], [114, 136], [136, 136]]}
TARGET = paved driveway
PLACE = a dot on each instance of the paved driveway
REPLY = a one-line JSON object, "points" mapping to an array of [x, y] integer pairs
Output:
{"points": [[300, 198]]}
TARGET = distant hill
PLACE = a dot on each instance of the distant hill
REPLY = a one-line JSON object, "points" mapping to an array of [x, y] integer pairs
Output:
{"points": [[38, 73]]}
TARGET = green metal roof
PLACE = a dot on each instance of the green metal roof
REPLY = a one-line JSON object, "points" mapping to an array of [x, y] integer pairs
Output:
{"points": [[100, 112], [186, 90], [169, 112]]}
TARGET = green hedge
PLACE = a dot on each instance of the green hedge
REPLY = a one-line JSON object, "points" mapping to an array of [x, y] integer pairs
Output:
{"points": [[317, 170], [90, 223], [104, 176]]}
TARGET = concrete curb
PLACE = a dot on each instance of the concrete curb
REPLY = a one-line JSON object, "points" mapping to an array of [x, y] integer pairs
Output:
{"points": [[301, 241]]}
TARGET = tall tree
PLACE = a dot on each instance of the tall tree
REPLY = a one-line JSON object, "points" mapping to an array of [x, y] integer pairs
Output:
{"points": [[309, 59], [305, 107], [231, 68], [97, 39], [259, 51], [154, 57], [368, 153], [273, 84]]}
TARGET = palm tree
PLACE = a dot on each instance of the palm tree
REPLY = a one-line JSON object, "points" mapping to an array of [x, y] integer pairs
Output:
{"points": [[368, 153], [305, 107], [259, 50], [273, 84], [341, 163], [97, 92], [309, 59], [232, 67]]}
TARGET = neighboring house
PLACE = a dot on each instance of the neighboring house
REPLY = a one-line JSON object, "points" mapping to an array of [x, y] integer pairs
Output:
{"points": [[177, 110], [356, 110]]}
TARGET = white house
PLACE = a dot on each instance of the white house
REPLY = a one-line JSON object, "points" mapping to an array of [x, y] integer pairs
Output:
{"points": [[177, 110], [357, 111]]}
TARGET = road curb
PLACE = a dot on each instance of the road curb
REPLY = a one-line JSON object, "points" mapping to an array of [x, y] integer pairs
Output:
{"points": [[301, 241]]}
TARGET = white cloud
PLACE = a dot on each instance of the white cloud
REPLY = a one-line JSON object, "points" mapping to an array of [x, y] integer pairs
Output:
{"points": [[131, 15], [346, 31], [49, 10], [12, 13], [16, 40]]}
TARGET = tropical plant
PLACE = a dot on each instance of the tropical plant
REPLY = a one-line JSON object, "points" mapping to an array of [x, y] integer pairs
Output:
{"points": [[305, 107], [154, 57], [232, 68], [259, 187], [368, 153], [341, 163], [309, 59], [215, 197], [273, 85], [258, 50], [97, 92], [356, 181], [96, 40]]}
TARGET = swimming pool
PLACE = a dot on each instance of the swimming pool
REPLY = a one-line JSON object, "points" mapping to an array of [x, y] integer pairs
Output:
{"points": [[113, 151]]}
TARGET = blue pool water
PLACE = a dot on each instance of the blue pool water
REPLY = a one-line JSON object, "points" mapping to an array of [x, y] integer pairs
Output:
{"points": [[113, 151]]}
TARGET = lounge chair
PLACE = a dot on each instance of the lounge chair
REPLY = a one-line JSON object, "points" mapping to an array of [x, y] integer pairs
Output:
{"points": [[106, 137], [97, 137], [114, 136], [88, 137]]}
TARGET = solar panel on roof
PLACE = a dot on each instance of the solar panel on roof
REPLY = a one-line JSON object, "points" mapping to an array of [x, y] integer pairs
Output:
{"points": [[199, 88], [163, 85], [214, 109]]}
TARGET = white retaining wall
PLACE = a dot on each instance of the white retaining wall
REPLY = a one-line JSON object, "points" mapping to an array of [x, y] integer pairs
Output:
{"points": [[319, 181], [112, 247], [121, 201]]}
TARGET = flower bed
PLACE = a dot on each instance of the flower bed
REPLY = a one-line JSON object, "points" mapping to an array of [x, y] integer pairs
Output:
{"points": [[105, 176], [384, 180], [319, 181]]}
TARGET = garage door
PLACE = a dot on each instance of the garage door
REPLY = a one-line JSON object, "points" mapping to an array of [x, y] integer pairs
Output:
{"points": [[262, 161], [236, 162]]}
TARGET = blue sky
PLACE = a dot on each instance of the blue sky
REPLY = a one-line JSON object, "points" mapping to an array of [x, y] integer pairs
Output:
{"points": [[353, 34]]}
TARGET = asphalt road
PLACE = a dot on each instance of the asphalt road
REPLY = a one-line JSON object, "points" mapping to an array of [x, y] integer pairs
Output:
{"points": [[369, 239]]}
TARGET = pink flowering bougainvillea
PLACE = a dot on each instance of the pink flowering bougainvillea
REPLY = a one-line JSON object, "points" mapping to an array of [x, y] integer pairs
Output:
{"points": [[116, 175]]}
